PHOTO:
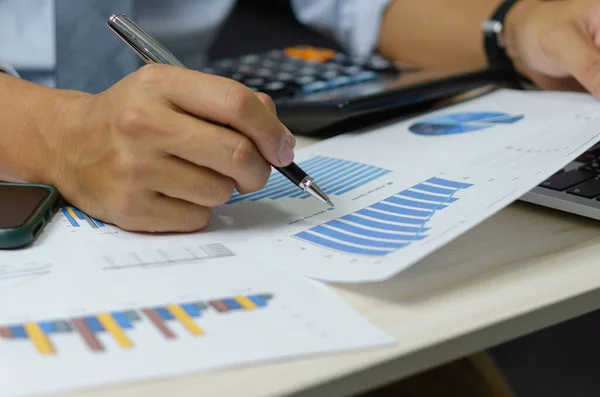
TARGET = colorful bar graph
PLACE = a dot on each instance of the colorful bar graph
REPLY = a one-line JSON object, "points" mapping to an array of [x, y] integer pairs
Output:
{"points": [[39, 338], [185, 319], [118, 324], [389, 225], [75, 217], [326, 170], [108, 322]]}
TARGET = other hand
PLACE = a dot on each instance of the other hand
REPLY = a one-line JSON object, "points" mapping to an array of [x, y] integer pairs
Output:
{"points": [[556, 43]]}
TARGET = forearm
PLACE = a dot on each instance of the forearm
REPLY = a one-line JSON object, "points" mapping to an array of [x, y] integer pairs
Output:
{"points": [[28, 115], [436, 33]]}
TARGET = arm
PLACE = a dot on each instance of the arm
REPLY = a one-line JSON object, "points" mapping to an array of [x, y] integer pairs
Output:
{"points": [[553, 43], [436, 33], [143, 154]]}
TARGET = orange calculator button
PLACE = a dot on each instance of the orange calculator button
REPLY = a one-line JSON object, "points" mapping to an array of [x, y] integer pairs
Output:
{"points": [[308, 53]]}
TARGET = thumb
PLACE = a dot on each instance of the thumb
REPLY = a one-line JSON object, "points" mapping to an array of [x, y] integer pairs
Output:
{"points": [[576, 51]]}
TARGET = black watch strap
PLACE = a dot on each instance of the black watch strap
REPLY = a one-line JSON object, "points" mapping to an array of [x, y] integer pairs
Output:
{"points": [[494, 47]]}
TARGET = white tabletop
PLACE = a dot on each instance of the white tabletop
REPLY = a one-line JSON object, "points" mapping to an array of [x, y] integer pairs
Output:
{"points": [[523, 269]]}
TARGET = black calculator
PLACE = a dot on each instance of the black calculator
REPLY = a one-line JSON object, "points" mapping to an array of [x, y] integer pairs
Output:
{"points": [[314, 88]]}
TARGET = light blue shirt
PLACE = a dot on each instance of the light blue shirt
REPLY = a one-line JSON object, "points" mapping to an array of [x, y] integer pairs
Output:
{"points": [[187, 27]]}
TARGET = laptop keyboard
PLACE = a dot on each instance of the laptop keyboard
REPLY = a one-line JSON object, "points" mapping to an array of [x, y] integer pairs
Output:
{"points": [[582, 181]]}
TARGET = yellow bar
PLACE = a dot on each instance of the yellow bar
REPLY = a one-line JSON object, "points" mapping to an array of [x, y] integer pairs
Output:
{"points": [[39, 338], [246, 303], [72, 213], [185, 319], [109, 323]]}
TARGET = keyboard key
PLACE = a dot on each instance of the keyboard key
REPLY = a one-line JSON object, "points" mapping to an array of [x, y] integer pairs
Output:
{"points": [[340, 81], [565, 180], [330, 74], [250, 59], [592, 166], [277, 89], [588, 189], [264, 72], [302, 80]]}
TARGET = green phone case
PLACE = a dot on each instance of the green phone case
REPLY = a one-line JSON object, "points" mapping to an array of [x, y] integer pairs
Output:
{"points": [[25, 234]]}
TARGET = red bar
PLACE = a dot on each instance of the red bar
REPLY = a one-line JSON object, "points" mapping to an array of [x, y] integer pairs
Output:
{"points": [[6, 332], [87, 335], [220, 306], [159, 323]]}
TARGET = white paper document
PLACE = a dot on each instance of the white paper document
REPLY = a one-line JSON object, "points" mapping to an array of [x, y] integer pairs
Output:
{"points": [[400, 192], [107, 327]]}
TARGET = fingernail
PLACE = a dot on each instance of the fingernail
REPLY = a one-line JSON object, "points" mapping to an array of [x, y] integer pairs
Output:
{"points": [[286, 152], [291, 139]]}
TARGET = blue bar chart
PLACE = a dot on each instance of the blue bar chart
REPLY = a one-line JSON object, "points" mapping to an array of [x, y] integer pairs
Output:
{"points": [[388, 225], [326, 171], [76, 218]]}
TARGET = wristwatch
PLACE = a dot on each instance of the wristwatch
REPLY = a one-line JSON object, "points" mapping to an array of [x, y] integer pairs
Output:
{"points": [[493, 30]]}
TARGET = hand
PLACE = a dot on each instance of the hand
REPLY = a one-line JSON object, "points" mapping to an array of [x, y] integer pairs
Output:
{"points": [[556, 43], [163, 146]]}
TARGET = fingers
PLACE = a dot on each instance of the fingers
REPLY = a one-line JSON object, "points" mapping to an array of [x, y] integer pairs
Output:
{"points": [[268, 102], [575, 50], [227, 102], [182, 180], [204, 144], [157, 213]]}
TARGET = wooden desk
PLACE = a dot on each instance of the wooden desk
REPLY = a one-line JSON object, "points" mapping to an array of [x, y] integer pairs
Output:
{"points": [[524, 269]]}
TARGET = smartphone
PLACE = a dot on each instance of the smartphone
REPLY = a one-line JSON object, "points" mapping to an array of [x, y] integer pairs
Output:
{"points": [[24, 211]]}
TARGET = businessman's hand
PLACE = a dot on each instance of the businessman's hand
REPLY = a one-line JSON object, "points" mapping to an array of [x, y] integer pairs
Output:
{"points": [[556, 43], [163, 146]]}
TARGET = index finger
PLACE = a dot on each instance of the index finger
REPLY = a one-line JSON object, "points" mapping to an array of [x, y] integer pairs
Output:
{"points": [[231, 103]]}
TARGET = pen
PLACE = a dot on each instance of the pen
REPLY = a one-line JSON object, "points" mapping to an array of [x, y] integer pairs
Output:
{"points": [[151, 51]]}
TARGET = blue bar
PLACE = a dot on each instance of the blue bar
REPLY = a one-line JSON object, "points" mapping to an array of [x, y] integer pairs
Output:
{"points": [[402, 210], [278, 183], [232, 303], [339, 247], [352, 181], [18, 332], [428, 197], [48, 327], [414, 204], [325, 231], [164, 313], [72, 221], [97, 222], [384, 226], [258, 300], [376, 234], [391, 218], [78, 213], [94, 324], [363, 182], [324, 180], [292, 190], [191, 309], [122, 320], [435, 189], [450, 184]]}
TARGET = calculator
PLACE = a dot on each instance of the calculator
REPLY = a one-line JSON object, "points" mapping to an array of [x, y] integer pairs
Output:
{"points": [[314, 88]]}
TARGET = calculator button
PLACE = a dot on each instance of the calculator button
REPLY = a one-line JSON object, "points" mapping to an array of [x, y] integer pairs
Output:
{"points": [[275, 54], [305, 80], [308, 71], [340, 81], [330, 74], [225, 63], [365, 75], [354, 69], [254, 82], [308, 53], [246, 69], [250, 59], [284, 76], [264, 72], [314, 87]]}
